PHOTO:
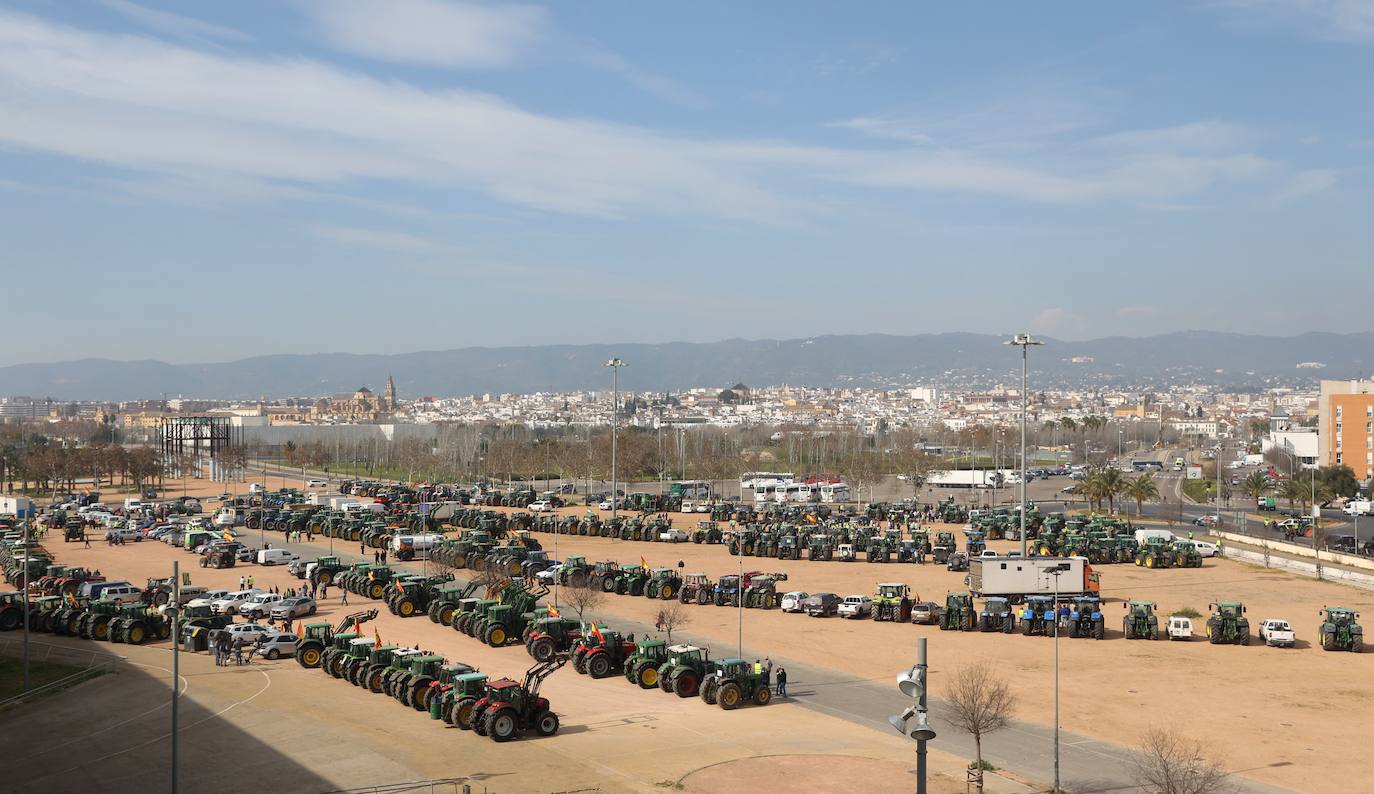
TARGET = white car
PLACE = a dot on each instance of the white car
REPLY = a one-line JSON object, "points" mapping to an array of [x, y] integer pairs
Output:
{"points": [[208, 599], [855, 606], [229, 605], [249, 632], [604, 504], [1203, 547], [259, 606], [674, 536], [541, 506], [275, 646], [549, 575], [1276, 633], [792, 602], [316, 483]]}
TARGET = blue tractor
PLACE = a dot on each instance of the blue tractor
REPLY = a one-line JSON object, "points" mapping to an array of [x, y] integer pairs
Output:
{"points": [[1085, 619]]}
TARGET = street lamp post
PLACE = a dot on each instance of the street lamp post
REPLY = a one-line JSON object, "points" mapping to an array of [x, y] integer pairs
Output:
{"points": [[1023, 341], [1056, 572], [615, 364], [912, 683]]}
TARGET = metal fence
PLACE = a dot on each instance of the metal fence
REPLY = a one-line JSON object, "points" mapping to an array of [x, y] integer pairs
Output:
{"points": [[92, 662]]}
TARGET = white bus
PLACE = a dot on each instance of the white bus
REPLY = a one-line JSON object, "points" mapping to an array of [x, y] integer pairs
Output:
{"points": [[794, 492], [755, 479], [834, 492]]}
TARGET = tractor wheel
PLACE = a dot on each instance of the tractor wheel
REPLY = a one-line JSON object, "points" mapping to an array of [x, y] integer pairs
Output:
{"points": [[444, 615], [336, 666], [462, 713], [1098, 630], [599, 666], [502, 725], [1357, 644], [136, 633], [607, 585], [479, 723], [405, 607], [648, 677], [708, 691], [542, 649], [100, 629], [686, 684], [376, 590], [546, 723], [667, 593], [375, 681], [703, 598], [309, 657], [496, 636], [421, 693], [1214, 635], [729, 696], [762, 696], [1026, 627], [665, 682], [324, 578]]}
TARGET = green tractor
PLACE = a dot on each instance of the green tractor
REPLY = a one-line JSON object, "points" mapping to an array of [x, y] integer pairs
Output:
{"points": [[944, 546], [95, 623], [1155, 553], [663, 584], [630, 580], [197, 622], [1228, 624], [642, 666], [436, 700], [1186, 555], [414, 596], [820, 547], [1340, 632], [447, 599], [997, 615], [892, 602], [687, 666], [1141, 622], [397, 670], [959, 614], [735, 682], [317, 639], [358, 670], [414, 690], [762, 591], [1085, 618], [373, 583], [324, 570], [552, 636], [574, 572], [456, 705], [137, 623], [1037, 617], [353, 658]]}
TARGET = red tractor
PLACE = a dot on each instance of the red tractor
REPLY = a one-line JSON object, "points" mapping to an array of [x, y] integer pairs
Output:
{"points": [[602, 653], [507, 708]]}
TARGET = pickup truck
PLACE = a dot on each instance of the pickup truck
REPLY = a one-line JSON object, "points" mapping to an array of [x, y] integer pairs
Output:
{"points": [[1277, 632], [674, 536], [855, 606]]}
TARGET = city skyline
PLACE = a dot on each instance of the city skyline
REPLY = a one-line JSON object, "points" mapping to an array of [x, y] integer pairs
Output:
{"points": [[260, 171]]}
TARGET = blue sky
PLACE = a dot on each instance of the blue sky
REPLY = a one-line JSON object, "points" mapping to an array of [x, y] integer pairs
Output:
{"points": [[208, 181]]}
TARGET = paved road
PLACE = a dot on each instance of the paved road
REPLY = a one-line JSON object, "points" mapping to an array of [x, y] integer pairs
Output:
{"points": [[1087, 766]]}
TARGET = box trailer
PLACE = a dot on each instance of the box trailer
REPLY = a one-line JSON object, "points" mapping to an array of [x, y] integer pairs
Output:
{"points": [[1017, 577], [20, 507], [969, 478]]}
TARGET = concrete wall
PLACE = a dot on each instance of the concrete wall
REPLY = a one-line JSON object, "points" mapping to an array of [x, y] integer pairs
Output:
{"points": [[1300, 550], [277, 435]]}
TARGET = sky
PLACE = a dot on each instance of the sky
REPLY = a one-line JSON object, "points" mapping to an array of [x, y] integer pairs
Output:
{"points": [[205, 181]]}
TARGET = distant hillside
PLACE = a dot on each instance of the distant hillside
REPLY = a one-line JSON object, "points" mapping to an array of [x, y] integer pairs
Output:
{"points": [[870, 359]]}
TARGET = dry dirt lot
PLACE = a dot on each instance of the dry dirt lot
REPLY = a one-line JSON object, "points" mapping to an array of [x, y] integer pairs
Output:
{"points": [[324, 734]]}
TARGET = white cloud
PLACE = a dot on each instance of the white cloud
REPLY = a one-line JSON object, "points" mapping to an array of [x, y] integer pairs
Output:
{"points": [[176, 25], [431, 32], [290, 125], [377, 238], [1305, 183], [1340, 19], [889, 127]]}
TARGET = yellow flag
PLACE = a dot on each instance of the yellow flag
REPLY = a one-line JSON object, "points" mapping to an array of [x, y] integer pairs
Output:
{"points": [[378, 637]]}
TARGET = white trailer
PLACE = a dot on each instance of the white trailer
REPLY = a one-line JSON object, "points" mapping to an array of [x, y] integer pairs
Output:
{"points": [[414, 547], [20, 507], [970, 478], [1017, 577]]}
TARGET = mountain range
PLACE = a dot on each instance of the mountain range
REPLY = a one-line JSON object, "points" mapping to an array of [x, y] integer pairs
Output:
{"points": [[950, 359]]}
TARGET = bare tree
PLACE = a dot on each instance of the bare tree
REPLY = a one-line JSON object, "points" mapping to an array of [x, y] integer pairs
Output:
{"points": [[1169, 763], [672, 618], [980, 703], [581, 599]]}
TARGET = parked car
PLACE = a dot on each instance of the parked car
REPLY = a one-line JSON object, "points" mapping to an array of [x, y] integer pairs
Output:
{"points": [[275, 557], [124, 533], [855, 606], [1180, 627], [259, 605], [123, 593], [1209, 520], [674, 536], [604, 504], [316, 483], [229, 605], [821, 605], [541, 506], [294, 607], [927, 612], [297, 567], [793, 601], [1203, 547], [1277, 633], [248, 632], [549, 575], [275, 646]]}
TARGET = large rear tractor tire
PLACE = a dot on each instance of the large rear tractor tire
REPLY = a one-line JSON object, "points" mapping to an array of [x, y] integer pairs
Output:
{"points": [[542, 650], [502, 725], [729, 696], [648, 677], [462, 713], [308, 657], [546, 723], [762, 696], [599, 666]]}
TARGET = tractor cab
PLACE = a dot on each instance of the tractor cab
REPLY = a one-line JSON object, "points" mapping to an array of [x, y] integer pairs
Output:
{"points": [[1340, 631], [1037, 617], [1140, 622], [958, 614], [734, 682], [642, 666], [1085, 617], [997, 615], [551, 635], [360, 647]]}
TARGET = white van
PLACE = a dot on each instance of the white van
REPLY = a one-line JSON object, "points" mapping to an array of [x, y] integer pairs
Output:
{"points": [[413, 547], [1144, 535], [124, 593], [275, 557], [257, 487], [133, 504], [363, 507]]}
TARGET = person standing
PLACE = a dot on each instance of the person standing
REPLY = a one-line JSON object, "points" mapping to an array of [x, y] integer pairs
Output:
{"points": [[782, 682], [86, 539], [767, 671], [343, 596]]}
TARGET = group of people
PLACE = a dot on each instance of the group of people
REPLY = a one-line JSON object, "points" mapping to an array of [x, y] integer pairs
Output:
{"points": [[379, 557], [764, 670]]}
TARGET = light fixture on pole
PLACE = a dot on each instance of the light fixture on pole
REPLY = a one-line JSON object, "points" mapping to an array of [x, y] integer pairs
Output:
{"points": [[1023, 341], [912, 683], [615, 364]]}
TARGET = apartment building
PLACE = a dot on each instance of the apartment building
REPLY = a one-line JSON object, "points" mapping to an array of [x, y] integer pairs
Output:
{"points": [[1345, 425]]}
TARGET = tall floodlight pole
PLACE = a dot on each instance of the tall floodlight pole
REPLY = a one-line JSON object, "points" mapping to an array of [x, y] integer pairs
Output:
{"points": [[615, 364], [1056, 572], [1023, 341]]}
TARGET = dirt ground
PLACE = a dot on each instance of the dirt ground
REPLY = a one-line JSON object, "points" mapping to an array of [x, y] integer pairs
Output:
{"points": [[1294, 718], [615, 737]]}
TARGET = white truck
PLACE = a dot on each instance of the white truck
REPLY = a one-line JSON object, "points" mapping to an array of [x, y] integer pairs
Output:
{"points": [[1180, 628], [1017, 577], [845, 552], [1358, 507], [970, 478], [855, 606], [1142, 536], [414, 547], [1277, 633]]}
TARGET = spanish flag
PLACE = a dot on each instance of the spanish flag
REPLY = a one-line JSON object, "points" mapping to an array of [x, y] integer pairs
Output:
{"points": [[300, 630], [553, 612], [228, 535], [643, 563], [596, 632], [377, 635]]}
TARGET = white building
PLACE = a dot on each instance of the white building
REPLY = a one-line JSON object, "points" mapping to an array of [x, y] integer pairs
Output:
{"points": [[1301, 444]]}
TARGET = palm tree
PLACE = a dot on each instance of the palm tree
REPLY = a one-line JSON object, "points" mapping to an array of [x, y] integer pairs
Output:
{"points": [[1113, 483], [1255, 485], [1293, 491], [1141, 489]]}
